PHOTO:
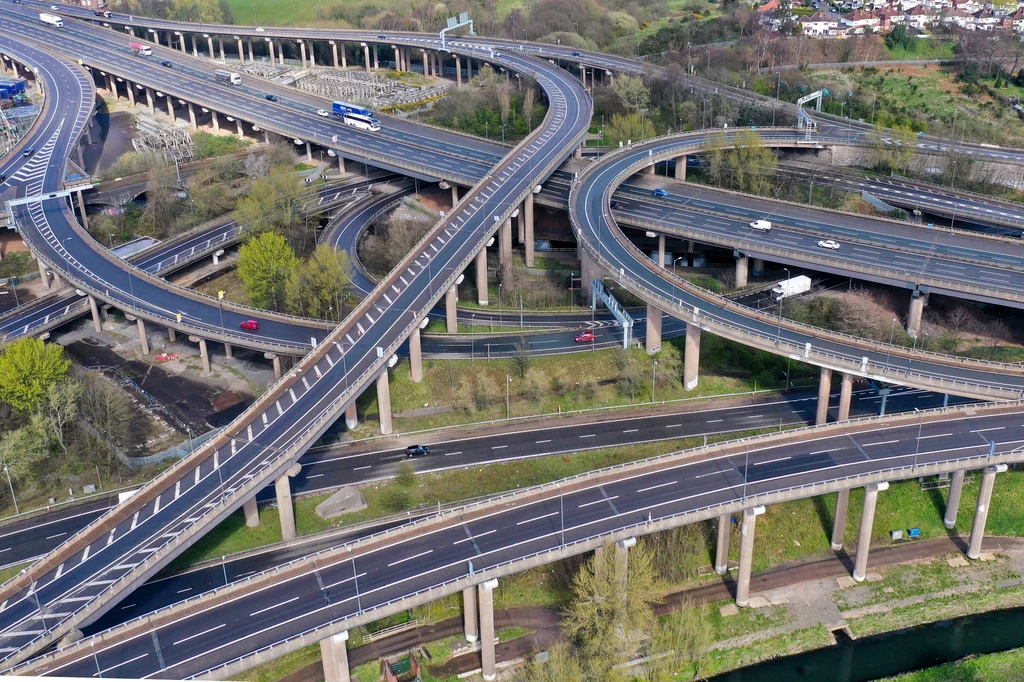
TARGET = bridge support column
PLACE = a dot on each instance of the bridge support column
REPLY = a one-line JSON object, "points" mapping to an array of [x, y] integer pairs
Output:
{"points": [[654, 318], [451, 309], [285, 508], [691, 357], [384, 402], [309, 152], [170, 107], [746, 554], [209, 45], [192, 116], [334, 654], [341, 164], [276, 360], [481, 276], [143, 337], [681, 167], [241, 130], [195, 50], [520, 227], [589, 270], [415, 356], [241, 51], [376, 57], [661, 250], [97, 324], [458, 71], [44, 274], [215, 122], [824, 390], [270, 46], [334, 52], [622, 561], [505, 246], [988, 481], [845, 397], [312, 54], [722, 544], [351, 417], [366, 56], [252, 513], [229, 352], [956, 486], [78, 155], [172, 336], [130, 87], [650, 170], [742, 266], [248, 44], [81, 208], [302, 49], [426, 67], [527, 216], [839, 519], [486, 598], [181, 42], [57, 281], [203, 353], [757, 267], [917, 302], [469, 615], [455, 195], [867, 521]]}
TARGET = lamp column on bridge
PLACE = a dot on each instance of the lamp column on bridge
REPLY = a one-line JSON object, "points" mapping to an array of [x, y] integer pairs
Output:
{"points": [[334, 654], [747, 528], [988, 481], [867, 521]]}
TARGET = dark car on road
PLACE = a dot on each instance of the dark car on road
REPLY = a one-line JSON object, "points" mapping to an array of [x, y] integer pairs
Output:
{"points": [[272, 98], [167, 64], [417, 451]]}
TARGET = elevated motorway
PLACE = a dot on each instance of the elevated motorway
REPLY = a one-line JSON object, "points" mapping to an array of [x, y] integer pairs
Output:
{"points": [[92, 570], [221, 633]]}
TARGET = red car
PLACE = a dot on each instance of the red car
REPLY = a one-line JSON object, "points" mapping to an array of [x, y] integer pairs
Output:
{"points": [[251, 325], [585, 336]]}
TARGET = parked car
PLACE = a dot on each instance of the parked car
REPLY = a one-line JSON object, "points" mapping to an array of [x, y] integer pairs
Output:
{"points": [[660, 193], [828, 244], [271, 98], [584, 336], [250, 325], [323, 113], [417, 451]]}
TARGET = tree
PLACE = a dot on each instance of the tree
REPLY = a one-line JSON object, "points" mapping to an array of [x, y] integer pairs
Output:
{"points": [[900, 36], [521, 358], [632, 92], [265, 263], [406, 475], [626, 128], [28, 368], [611, 614], [274, 204], [61, 410], [677, 643], [754, 164], [319, 287], [107, 409], [23, 448], [562, 666]]}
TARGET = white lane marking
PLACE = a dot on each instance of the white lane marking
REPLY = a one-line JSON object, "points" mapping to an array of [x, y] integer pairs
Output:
{"points": [[660, 485], [270, 608], [542, 441], [603, 499], [881, 442], [449, 454], [130, 660], [410, 558], [589, 435], [368, 466], [200, 634], [536, 518], [715, 421], [937, 435], [479, 535], [673, 426], [631, 430], [50, 537], [994, 428], [771, 461], [498, 447]]}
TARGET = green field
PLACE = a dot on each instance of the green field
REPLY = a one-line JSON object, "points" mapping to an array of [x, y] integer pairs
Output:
{"points": [[1006, 666]]}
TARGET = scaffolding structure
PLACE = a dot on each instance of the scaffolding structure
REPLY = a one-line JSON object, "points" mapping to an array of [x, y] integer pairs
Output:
{"points": [[173, 143]]}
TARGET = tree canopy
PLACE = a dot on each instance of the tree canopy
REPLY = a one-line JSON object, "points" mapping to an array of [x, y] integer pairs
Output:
{"points": [[28, 368], [265, 264]]}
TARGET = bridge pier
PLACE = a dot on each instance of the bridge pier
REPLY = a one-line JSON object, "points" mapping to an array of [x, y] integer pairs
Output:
{"points": [[527, 217], [589, 270], [351, 417], [469, 611], [867, 521], [57, 281], [334, 654], [481, 276], [366, 56], [956, 486], [220, 45], [917, 302], [742, 267], [505, 248], [334, 52], [384, 402], [97, 324], [214, 122], [622, 561], [241, 50], [81, 207], [485, 596], [988, 481], [302, 50], [203, 353], [722, 544], [228, 351], [458, 71], [415, 356], [757, 267], [130, 88], [691, 357], [747, 529], [149, 101], [171, 335], [426, 66], [654, 319], [248, 42], [44, 274], [252, 513], [270, 45], [192, 116], [285, 508], [839, 519], [143, 337], [824, 390], [845, 397], [276, 360], [681, 167], [241, 130], [209, 45], [376, 57], [451, 309], [661, 251], [181, 41], [309, 152], [195, 50]]}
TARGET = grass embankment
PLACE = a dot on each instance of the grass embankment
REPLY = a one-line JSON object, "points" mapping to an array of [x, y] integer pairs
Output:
{"points": [[1006, 666]]}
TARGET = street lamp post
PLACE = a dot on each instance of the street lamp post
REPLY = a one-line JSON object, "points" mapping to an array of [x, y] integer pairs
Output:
{"points": [[892, 333], [508, 411], [778, 339], [654, 378], [920, 425], [561, 514], [11, 484]]}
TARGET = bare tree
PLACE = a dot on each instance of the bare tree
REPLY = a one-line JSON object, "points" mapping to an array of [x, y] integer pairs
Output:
{"points": [[521, 358]]}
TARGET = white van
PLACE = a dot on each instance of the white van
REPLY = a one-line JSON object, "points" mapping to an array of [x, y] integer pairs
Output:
{"points": [[761, 225]]}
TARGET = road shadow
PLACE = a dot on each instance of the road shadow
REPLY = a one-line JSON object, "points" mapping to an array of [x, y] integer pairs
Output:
{"points": [[825, 516]]}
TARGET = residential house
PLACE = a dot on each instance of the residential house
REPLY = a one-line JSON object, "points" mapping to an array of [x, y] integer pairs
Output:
{"points": [[920, 18], [820, 24], [860, 22]]}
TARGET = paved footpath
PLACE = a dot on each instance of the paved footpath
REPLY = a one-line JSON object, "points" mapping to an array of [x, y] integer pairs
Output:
{"points": [[544, 621]]}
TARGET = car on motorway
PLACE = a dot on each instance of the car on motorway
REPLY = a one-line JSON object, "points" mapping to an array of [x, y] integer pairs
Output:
{"points": [[55, 8], [271, 98], [29, 152], [577, 53], [828, 244], [761, 225], [584, 336], [259, 29], [614, 204], [250, 325], [659, 192], [382, 37], [323, 113], [3, 176], [167, 64], [417, 451]]}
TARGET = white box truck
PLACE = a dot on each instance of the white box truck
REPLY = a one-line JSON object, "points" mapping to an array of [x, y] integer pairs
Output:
{"points": [[793, 286], [51, 20], [761, 225]]}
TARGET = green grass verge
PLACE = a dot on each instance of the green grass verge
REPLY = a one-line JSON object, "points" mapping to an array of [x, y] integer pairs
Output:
{"points": [[11, 571], [1005, 666], [280, 667], [784, 644]]}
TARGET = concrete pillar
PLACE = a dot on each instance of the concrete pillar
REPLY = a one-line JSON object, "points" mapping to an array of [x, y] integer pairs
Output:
{"points": [[988, 481], [270, 45], [309, 152], [97, 325], [451, 309], [458, 71], [248, 42], [839, 520], [376, 57], [172, 336], [485, 595], [455, 195], [742, 264], [746, 554], [527, 215], [57, 281], [276, 359], [241, 51], [691, 357], [505, 250], [44, 275], [622, 562], [131, 92], [757, 267], [195, 50], [481, 276], [334, 52], [81, 209], [384, 402], [722, 545], [520, 227], [181, 43], [415, 356], [143, 338], [341, 163], [312, 54], [824, 389], [334, 655], [599, 563], [845, 397], [252, 513], [661, 250], [78, 155], [469, 614], [229, 352], [205, 355], [650, 170], [654, 318], [192, 116], [112, 86], [956, 486], [170, 107], [285, 509], [426, 69], [366, 57], [241, 130], [351, 418], [302, 49], [215, 121], [681, 167], [867, 521], [209, 44], [916, 311], [589, 270]]}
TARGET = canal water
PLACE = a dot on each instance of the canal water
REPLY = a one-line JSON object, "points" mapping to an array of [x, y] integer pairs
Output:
{"points": [[870, 658]]}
